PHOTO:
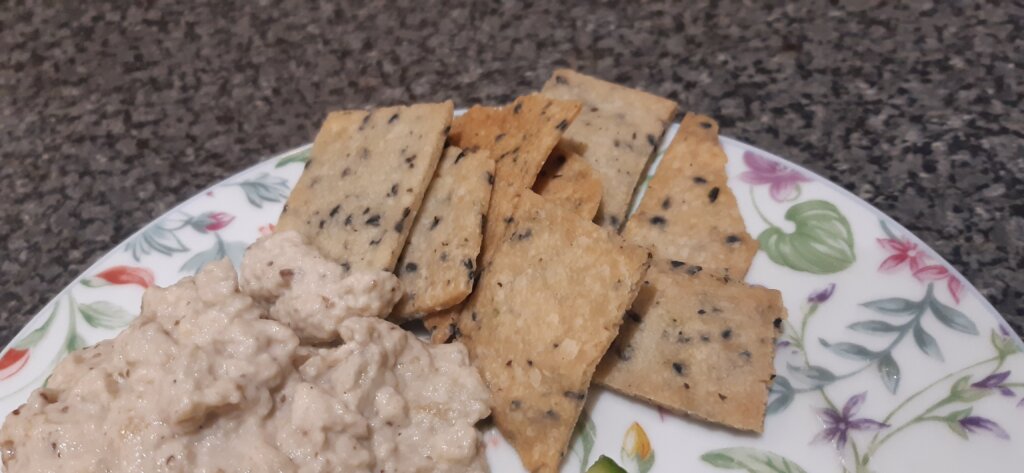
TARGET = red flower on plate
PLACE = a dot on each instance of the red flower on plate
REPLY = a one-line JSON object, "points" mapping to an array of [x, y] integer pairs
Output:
{"points": [[902, 251], [120, 275], [210, 221], [12, 361]]}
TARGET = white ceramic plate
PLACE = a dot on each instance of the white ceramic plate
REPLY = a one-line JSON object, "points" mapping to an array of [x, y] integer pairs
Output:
{"points": [[890, 360]]}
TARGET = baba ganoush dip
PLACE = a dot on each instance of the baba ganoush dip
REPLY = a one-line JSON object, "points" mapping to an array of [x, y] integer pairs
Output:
{"points": [[214, 378]]}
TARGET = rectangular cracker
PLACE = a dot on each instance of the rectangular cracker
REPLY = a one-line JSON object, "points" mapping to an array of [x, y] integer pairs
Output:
{"points": [[688, 213], [543, 314], [364, 181], [519, 136], [436, 266], [567, 180], [697, 344], [620, 127]]}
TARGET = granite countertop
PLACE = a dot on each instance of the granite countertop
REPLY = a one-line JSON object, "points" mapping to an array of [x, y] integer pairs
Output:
{"points": [[109, 116]]}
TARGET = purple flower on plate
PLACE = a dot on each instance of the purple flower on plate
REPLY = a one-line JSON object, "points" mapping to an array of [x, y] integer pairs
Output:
{"points": [[820, 296], [976, 424], [784, 182], [995, 381], [839, 424], [1021, 403]]}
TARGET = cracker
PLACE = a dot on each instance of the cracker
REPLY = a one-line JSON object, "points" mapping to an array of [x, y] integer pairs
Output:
{"points": [[620, 126], [541, 317], [436, 267], [519, 136], [688, 213], [697, 344], [567, 180], [442, 324], [364, 181]]}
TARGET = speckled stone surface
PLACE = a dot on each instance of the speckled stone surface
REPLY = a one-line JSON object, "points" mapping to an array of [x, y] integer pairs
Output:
{"points": [[111, 115]]}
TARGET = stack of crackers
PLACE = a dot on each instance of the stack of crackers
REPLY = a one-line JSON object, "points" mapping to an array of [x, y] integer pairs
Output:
{"points": [[509, 228]]}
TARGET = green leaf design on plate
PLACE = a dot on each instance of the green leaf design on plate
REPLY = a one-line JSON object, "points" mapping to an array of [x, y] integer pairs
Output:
{"points": [[849, 350], [103, 314], [926, 342], [264, 188], [951, 317], [300, 156], [232, 250], [781, 395], [750, 460], [821, 244], [156, 238], [893, 306], [874, 326], [889, 370], [585, 433]]}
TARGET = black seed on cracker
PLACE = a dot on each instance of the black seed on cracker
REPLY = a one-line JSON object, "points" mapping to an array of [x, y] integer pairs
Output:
{"points": [[679, 368], [732, 239], [373, 220], [335, 210], [666, 204], [726, 334], [699, 180], [657, 220], [515, 404], [394, 118], [410, 267], [777, 323], [652, 140], [677, 264], [713, 195], [575, 396], [562, 125]]}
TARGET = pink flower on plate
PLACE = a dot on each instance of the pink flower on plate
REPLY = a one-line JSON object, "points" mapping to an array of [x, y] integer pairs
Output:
{"points": [[784, 182], [267, 229], [901, 251], [121, 275]]}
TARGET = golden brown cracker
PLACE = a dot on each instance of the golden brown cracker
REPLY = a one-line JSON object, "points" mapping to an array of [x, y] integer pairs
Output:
{"points": [[442, 324], [437, 265], [541, 317], [697, 344], [620, 127], [567, 180], [519, 136], [688, 213], [364, 181]]}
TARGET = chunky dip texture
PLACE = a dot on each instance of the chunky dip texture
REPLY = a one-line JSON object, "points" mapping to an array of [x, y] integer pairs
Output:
{"points": [[216, 378]]}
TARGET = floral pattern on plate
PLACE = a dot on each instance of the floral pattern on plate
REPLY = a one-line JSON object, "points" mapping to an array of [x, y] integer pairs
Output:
{"points": [[889, 361]]}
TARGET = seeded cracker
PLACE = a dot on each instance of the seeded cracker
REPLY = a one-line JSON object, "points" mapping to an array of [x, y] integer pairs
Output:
{"points": [[436, 267], [364, 182], [520, 137], [688, 213], [541, 317], [697, 344], [620, 127], [567, 180]]}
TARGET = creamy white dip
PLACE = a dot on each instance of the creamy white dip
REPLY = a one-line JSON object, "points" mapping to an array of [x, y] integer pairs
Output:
{"points": [[203, 381]]}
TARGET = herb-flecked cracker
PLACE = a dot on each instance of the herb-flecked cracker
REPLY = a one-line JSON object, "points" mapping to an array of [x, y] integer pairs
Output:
{"points": [[569, 181], [688, 213], [519, 136], [364, 181], [697, 344], [437, 266], [543, 314], [620, 127]]}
